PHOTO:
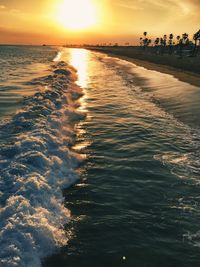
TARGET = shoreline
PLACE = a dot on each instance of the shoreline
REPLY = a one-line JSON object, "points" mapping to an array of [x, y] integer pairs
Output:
{"points": [[192, 78]]}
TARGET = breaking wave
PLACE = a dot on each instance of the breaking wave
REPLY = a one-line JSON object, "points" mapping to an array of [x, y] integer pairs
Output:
{"points": [[36, 164]]}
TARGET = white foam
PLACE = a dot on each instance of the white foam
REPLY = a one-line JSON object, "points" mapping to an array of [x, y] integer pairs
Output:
{"points": [[36, 163]]}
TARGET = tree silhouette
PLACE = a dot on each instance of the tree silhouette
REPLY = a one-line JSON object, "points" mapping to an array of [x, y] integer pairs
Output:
{"points": [[185, 39], [179, 44], [178, 39], [171, 36], [144, 42], [196, 38], [165, 40]]}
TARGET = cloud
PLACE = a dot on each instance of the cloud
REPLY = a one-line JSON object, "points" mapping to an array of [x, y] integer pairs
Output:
{"points": [[131, 6], [2, 7], [15, 11], [179, 7]]}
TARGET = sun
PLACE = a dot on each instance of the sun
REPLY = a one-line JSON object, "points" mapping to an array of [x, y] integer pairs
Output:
{"points": [[77, 14]]}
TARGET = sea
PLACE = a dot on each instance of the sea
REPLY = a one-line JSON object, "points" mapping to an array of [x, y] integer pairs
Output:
{"points": [[99, 162]]}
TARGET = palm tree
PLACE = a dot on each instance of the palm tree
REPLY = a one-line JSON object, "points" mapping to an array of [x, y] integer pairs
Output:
{"points": [[164, 40], [178, 38], [156, 45], [144, 41], [163, 43], [185, 38], [179, 45], [196, 38], [157, 40], [171, 36]]}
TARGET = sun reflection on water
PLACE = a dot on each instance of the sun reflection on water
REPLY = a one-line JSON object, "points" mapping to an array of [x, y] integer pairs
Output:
{"points": [[79, 60]]}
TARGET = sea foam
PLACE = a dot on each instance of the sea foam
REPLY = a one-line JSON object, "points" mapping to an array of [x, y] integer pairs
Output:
{"points": [[36, 164]]}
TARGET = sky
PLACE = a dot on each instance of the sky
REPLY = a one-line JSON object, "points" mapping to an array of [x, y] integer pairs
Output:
{"points": [[47, 21]]}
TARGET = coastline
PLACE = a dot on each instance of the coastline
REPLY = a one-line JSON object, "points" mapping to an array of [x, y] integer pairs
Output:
{"points": [[190, 77]]}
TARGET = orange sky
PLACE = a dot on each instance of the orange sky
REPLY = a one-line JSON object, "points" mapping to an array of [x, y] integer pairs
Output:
{"points": [[37, 22]]}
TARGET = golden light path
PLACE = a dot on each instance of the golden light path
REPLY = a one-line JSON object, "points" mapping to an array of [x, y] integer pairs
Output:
{"points": [[79, 59], [77, 15]]}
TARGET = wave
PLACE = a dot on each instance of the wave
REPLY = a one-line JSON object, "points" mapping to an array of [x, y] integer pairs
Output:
{"points": [[36, 164]]}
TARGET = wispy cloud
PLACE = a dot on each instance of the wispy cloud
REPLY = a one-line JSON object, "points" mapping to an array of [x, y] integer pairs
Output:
{"points": [[132, 6], [15, 11], [182, 7]]}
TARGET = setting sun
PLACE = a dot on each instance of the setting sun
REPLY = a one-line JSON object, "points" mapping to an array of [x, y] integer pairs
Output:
{"points": [[77, 14]]}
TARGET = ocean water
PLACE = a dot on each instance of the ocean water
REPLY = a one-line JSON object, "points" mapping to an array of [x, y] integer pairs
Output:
{"points": [[39, 109], [118, 187]]}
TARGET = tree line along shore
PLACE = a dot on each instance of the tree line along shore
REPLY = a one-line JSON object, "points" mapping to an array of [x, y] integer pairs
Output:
{"points": [[179, 52]]}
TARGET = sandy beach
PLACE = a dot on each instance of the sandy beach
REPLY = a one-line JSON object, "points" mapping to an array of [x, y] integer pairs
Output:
{"points": [[180, 72]]}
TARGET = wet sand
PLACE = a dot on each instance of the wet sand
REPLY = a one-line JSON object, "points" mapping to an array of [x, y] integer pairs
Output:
{"points": [[191, 77]]}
